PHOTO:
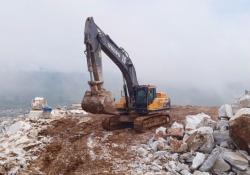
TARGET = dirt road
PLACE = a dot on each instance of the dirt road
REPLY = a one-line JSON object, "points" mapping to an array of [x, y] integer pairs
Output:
{"points": [[83, 147]]}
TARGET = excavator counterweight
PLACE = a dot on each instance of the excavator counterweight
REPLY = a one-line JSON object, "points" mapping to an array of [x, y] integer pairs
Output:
{"points": [[141, 107]]}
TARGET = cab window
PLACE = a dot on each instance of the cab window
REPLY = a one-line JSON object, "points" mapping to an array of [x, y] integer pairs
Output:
{"points": [[141, 97], [151, 95]]}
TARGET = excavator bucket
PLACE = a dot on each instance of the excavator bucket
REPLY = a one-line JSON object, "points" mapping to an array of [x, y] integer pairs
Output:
{"points": [[99, 103]]}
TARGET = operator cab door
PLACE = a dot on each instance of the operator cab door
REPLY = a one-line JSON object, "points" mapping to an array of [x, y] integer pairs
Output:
{"points": [[143, 97]]}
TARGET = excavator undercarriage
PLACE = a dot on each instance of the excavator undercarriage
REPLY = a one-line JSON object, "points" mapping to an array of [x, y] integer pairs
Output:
{"points": [[139, 123]]}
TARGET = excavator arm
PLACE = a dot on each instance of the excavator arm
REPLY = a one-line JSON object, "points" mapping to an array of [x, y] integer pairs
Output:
{"points": [[95, 41]]}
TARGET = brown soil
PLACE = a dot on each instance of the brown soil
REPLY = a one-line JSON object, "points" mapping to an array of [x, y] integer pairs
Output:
{"points": [[74, 141]]}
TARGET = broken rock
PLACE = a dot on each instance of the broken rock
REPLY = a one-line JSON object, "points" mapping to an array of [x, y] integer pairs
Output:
{"points": [[210, 161], [175, 132], [202, 139], [235, 159], [245, 154], [194, 121], [178, 146], [160, 132], [239, 129], [158, 145], [187, 157], [221, 136], [245, 101], [177, 125], [198, 160], [225, 111], [142, 152], [185, 172], [200, 173], [223, 124], [221, 166], [246, 172]]}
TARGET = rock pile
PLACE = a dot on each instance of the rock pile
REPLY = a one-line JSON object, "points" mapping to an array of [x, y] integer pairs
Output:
{"points": [[20, 141], [199, 146], [238, 115]]}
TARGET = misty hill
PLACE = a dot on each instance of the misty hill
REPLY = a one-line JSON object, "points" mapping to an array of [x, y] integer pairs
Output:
{"points": [[64, 88], [59, 88]]}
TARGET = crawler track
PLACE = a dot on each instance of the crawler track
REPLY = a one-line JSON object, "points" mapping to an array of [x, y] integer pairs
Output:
{"points": [[138, 122], [143, 123]]}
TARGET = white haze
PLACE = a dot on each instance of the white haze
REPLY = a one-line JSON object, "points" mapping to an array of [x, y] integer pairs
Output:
{"points": [[190, 46]]}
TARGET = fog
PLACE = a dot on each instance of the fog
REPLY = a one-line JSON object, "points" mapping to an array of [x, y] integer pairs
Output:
{"points": [[197, 51]]}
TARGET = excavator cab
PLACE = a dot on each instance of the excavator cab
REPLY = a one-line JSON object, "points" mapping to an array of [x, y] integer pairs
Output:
{"points": [[147, 100], [144, 95]]}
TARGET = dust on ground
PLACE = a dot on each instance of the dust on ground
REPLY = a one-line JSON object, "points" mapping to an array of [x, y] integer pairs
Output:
{"points": [[83, 147]]}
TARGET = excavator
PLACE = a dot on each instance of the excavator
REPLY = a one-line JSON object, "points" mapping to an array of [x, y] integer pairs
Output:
{"points": [[141, 107]]}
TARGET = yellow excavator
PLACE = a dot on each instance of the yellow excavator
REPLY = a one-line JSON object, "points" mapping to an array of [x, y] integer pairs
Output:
{"points": [[141, 107]]}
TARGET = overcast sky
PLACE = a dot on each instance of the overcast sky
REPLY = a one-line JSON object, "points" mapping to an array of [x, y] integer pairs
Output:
{"points": [[201, 43]]}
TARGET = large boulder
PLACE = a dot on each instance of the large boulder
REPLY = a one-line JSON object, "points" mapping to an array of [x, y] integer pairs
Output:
{"points": [[195, 121], [201, 140], [239, 128]]}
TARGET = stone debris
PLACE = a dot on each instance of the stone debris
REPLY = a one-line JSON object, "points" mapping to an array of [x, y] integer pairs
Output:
{"points": [[210, 161], [198, 160], [236, 160], [199, 146], [20, 141], [202, 147], [160, 132], [245, 154], [221, 166], [221, 137], [178, 146], [200, 173]]}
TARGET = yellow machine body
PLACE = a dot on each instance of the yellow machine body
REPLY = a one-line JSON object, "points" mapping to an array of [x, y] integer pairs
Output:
{"points": [[161, 101]]}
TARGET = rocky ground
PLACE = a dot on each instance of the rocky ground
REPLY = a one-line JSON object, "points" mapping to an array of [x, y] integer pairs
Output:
{"points": [[73, 142], [80, 145]]}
